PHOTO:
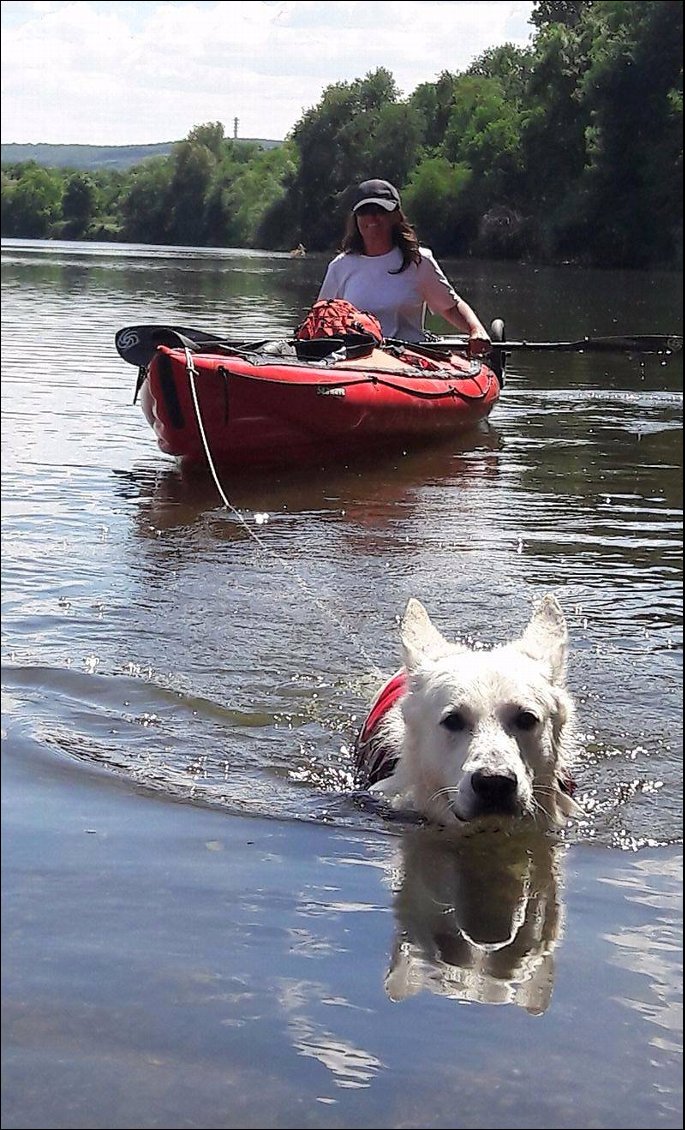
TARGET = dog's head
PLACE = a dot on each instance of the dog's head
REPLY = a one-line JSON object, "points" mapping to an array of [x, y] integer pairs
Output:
{"points": [[487, 733]]}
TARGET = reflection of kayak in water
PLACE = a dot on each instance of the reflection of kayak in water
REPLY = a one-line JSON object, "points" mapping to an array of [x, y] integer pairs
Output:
{"points": [[298, 252], [296, 403]]}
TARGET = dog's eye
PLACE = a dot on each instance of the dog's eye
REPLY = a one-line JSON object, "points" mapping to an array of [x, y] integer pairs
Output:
{"points": [[454, 722], [525, 720]]}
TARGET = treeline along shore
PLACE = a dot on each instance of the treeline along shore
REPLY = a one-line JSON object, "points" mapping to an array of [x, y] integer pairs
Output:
{"points": [[569, 150]]}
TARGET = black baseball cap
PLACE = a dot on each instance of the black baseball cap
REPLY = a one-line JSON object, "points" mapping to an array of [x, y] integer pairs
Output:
{"points": [[376, 192]]}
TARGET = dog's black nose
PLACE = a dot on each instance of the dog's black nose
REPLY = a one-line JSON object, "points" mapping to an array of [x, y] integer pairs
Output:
{"points": [[494, 790]]}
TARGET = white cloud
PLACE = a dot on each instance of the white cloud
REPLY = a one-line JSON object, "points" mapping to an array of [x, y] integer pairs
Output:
{"points": [[119, 73]]}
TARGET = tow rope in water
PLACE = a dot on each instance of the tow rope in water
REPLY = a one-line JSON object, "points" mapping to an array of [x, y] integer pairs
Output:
{"points": [[286, 565]]}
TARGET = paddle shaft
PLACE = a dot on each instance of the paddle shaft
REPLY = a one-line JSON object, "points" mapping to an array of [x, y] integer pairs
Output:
{"points": [[644, 343]]}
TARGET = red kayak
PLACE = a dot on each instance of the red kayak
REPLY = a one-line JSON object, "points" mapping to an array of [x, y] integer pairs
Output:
{"points": [[249, 407]]}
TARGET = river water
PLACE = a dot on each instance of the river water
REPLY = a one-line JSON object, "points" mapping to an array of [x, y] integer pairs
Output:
{"points": [[203, 925]]}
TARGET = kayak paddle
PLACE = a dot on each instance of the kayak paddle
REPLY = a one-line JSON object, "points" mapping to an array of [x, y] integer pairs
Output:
{"points": [[641, 343]]}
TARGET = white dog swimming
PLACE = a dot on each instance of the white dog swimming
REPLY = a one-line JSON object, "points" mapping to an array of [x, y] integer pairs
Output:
{"points": [[459, 734]]}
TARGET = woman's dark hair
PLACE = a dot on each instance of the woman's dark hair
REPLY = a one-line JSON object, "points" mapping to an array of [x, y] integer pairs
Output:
{"points": [[403, 236]]}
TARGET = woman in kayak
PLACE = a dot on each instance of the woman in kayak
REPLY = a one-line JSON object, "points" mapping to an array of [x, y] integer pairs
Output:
{"points": [[383, 269]]}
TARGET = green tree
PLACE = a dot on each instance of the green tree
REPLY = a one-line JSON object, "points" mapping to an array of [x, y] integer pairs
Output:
{"points": [[31, 203], [438, 199], [510, 65], [484, 133], [632, 186], [79, 203], [211, 135], [193, 165], [145, 204], [555, 124], [433, 102], [603, 131], [568, 13], [242, 195], [395, 144]]}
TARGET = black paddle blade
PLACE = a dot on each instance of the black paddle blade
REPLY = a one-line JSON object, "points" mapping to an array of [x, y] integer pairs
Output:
{"points": [[138, 344]]}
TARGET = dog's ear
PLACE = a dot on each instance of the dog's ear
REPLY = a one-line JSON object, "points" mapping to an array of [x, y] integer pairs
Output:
{"points": [[546, 637], [401, 980], [420, 638]]}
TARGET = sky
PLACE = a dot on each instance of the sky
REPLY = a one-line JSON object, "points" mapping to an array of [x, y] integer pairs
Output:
{"points": [[134, 74]]}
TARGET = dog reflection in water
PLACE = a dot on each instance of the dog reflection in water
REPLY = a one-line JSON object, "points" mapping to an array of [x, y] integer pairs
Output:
{"points": [[478, 919]]}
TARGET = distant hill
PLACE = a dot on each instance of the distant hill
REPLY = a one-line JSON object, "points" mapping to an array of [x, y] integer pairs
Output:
{"points": [[96, 156]]}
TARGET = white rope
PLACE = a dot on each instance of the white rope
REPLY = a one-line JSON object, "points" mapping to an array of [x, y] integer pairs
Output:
{"points": [[286, 565], [192, 374]]}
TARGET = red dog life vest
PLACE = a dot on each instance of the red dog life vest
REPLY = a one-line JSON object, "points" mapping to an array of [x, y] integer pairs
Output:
{"points": [[374, 761]]}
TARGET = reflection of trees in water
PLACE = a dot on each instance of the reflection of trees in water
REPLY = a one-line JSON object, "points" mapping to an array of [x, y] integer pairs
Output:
{"points": [[171, 279], [478, 918]]}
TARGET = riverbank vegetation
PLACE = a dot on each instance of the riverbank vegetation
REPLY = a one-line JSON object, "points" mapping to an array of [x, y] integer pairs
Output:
{"points": [[568, 150]]}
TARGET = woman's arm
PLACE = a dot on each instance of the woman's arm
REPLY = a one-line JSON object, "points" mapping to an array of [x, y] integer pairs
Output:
{"points": [[465, 319], [443, 299]]}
